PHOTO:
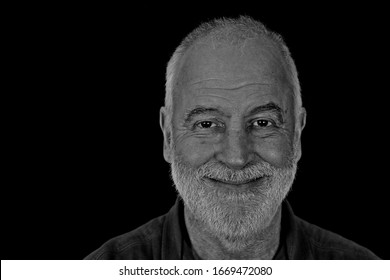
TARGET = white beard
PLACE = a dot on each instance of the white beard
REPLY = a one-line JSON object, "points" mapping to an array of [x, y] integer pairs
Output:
{"points": [[233, 216]]}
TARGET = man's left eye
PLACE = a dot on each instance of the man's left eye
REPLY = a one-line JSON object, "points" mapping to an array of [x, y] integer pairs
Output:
{"points": [[262, 123]]}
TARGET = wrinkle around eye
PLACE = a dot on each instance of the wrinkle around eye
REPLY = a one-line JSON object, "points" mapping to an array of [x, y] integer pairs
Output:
{"points": [[209, 132], [270, 133], [188, 132]]}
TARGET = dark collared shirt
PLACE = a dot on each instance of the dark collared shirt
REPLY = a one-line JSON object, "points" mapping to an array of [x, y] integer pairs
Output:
{"points": [[166, 238]]}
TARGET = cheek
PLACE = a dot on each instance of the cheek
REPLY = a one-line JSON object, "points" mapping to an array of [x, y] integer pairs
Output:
{"points": [[275, 153], [195, 153]]}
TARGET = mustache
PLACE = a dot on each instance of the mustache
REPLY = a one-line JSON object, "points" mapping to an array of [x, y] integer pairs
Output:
{"points": [[219, 171]]}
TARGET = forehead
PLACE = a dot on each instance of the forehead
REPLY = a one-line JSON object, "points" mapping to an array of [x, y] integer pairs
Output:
{"points": [[246, 72], [254, 59]]}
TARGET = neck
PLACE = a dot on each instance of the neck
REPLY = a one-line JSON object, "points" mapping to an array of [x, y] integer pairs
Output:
{"points": [[260, 246]]}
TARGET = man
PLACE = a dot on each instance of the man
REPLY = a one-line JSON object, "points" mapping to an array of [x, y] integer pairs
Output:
{"points": [[232, 125]]}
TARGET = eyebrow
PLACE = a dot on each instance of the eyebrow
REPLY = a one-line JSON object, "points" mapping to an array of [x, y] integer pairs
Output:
{"points": [[200, 110], [270, 107]]}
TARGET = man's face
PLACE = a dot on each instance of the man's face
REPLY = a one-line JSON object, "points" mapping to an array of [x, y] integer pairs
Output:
{"points": [[235, 142]]}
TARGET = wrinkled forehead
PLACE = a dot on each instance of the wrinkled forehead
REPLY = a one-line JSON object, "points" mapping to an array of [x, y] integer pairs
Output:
{"points": [[252, 59]]}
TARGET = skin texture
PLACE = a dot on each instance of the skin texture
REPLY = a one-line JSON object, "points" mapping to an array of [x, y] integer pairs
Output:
{"points": [[233, 81]]}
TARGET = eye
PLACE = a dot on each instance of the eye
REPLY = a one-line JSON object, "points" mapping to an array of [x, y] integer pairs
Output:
{"points": [[262, 123], [206, 124]]}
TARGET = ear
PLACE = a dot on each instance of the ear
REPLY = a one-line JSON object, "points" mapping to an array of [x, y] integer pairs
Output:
{"points": [[300, 125], [166, 130]]}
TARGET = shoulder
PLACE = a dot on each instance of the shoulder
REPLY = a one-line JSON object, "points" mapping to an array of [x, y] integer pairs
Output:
{"points": [[328, 245], [141, 243]]}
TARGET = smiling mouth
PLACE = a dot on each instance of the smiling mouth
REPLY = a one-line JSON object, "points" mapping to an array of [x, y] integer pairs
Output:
{"points": [[245, 183]]}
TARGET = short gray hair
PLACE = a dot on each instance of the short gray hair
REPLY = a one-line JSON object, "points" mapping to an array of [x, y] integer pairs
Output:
{"points": [[234, 30]]}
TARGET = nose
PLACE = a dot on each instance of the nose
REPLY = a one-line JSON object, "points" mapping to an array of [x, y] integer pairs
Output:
{"points": [[235, 150]]}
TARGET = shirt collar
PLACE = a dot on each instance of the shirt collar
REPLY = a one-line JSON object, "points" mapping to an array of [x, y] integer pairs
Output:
{"points": [[293, 242], [175, 238]]}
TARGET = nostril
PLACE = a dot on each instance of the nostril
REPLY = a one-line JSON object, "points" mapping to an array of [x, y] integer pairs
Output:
{"points": [[236, 159]]}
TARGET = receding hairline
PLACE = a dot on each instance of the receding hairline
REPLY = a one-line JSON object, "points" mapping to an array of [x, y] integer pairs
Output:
{"points": [[262, 48], [227, 30], [234, 32]]}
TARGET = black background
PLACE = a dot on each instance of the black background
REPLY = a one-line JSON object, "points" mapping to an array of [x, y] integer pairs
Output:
{"points": [[85, 85]]}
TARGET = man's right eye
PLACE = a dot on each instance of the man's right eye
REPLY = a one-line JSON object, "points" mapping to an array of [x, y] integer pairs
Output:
{"points": [[206, 124]]}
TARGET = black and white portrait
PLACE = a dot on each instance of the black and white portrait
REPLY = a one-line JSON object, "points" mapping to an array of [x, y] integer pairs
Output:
{"points": [[226, 135]]}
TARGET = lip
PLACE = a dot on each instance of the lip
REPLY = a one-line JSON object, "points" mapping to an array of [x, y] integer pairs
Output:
{"points": [[235, 185]]}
